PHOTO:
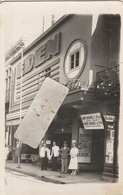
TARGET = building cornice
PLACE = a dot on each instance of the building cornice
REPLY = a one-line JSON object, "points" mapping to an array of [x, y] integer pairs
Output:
{"points": [[55, 26]]}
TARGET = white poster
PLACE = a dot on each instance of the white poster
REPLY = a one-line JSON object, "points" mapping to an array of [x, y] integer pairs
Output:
{"points": [[109, 146], [84, 146], [92, 121]]}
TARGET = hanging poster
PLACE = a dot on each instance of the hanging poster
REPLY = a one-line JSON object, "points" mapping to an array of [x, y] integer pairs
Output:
{"points": [[84, 146], [92, 121]]}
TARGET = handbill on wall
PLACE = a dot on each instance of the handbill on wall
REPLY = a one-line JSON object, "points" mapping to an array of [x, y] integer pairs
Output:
{"points": [[84, 146]]}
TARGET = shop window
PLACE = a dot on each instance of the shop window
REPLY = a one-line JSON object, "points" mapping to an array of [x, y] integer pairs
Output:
{"points": [[75, 59]]}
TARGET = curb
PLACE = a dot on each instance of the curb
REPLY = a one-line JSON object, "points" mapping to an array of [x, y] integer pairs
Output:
{"points": [[42, 178]]}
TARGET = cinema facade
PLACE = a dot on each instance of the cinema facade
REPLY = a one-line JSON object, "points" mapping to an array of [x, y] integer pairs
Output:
{"points": [[87, 62]]}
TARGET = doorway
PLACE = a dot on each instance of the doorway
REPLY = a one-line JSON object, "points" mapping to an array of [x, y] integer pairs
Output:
{"points": [[59, 138], [98, 149]]}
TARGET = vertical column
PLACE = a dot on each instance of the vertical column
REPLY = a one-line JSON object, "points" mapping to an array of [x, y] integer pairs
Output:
{"points": [[110, 148]]}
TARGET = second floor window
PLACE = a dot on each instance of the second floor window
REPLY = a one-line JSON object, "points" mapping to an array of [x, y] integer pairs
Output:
{"points": [[75, 57], [74, 60]]}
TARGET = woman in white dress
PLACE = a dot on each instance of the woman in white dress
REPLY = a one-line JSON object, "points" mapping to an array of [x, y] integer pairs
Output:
{"points": [[74, 159]]}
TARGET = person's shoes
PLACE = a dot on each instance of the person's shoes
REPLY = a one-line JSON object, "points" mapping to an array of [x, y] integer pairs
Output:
{"points": [[72, 173], [62, 172]]}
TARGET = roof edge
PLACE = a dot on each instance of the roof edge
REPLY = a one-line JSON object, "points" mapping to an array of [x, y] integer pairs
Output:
{"points": [[62, 20]]}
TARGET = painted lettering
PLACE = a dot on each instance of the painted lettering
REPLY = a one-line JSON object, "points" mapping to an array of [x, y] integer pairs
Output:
{"points": [[46, 51], [28, 64], [52, 47], [42, 54]]}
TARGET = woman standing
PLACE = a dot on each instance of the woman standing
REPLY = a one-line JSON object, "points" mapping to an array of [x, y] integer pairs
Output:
{"points": [[73, 160]]}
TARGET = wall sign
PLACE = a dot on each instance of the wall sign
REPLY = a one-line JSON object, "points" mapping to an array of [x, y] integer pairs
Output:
{"points": [[48, 141], [84, 146], [109, 118], [92, 121], [42, 54]]}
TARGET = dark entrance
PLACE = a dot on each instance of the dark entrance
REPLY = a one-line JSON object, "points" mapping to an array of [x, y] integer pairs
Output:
{"points": [[98, 149], [61, 137]]}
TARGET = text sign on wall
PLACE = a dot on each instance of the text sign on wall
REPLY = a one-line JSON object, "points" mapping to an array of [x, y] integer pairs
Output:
{"points": [[41, 112], [48, 141], [84, 146], [109, 118], [92, 121]]}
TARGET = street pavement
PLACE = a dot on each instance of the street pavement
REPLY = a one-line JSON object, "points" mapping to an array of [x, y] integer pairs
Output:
{"points": [[21, 184], [55, 177]]}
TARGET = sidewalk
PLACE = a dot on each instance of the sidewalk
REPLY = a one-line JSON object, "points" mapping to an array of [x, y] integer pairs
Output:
{"points": [[53, 176]]}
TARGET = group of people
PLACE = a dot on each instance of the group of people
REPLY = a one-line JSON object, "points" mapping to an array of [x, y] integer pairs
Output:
{"points": [[65, 152]]}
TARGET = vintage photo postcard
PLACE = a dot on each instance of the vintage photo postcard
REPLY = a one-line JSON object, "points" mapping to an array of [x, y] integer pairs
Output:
{"points": [[61, 98]]}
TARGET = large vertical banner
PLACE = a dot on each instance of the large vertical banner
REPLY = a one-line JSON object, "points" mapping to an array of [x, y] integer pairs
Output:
{"points": [[41, 112], [84, 146]]}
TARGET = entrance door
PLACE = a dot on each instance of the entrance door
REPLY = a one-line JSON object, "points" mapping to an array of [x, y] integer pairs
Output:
{"points": [[98, 149], [61, 137]]}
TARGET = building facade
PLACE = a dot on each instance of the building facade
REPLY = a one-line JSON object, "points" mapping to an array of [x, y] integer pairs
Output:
{"points": [[88, 64]]}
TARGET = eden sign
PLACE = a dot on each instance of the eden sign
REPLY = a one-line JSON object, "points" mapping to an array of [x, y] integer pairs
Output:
{"points": [[42, 54]]}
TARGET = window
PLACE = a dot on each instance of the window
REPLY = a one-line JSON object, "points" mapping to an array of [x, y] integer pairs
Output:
{"points": [[74, 59]]}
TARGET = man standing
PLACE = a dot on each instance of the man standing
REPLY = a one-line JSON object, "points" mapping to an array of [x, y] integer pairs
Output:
{"points": [[45, 155], [64, 152], [54, 155]]}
